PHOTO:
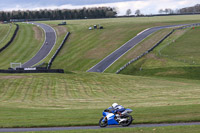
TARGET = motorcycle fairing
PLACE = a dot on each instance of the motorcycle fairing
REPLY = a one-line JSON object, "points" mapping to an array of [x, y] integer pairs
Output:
{"points": [[111, 119]]}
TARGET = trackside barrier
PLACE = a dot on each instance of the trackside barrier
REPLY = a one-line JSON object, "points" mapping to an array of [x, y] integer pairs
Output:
{"points": [[57, 51], [11, 40], [138, 57], [33, 71]]}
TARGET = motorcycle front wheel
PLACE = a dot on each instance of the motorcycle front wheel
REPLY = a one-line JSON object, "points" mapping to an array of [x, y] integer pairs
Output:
{"points": [[128, 121], [101, 123]]}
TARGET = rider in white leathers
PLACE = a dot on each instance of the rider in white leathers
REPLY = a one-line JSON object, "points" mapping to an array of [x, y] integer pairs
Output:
{"points": [[118, 109]]}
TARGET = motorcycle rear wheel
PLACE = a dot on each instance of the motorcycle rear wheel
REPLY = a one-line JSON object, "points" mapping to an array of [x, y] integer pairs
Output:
{"points": [[128, 122], [103, 124]]}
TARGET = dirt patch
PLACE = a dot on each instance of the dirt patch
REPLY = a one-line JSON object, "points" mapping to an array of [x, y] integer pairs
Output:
{"points": [[180, 32], [153, 56], [12, 77], [60, 30], [170, 73], [38, 33]]}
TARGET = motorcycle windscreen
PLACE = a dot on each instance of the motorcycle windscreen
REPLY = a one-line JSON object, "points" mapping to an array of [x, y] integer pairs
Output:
{"points": [[105, 113], [111, 119]]}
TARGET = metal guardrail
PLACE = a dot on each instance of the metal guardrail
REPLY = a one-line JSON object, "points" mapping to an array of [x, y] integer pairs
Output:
{"points": [[138, 57], [57, 51]]}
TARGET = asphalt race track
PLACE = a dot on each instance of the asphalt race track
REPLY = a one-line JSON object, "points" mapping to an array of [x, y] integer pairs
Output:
{"points": [[92, 127], [50, 40], [110, 59]]}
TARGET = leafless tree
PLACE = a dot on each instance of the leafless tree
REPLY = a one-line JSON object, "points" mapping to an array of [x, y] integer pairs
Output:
{"points": [[138, 12], [161, 11], [128, 12]]}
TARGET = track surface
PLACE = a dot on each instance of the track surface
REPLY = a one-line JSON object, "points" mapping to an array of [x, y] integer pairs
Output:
{"points": [[110, 59], [92, 127], [50, 40]]}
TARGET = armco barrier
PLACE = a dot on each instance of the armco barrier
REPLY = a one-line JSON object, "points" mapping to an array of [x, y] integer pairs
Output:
{"points": [[57, 51], [34, 71], [13, 37], [137, 58]]}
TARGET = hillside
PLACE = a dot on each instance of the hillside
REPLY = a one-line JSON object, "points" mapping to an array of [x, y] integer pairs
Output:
{"points": [[6, 32], [28, 41], [86, 48], [78, 98], [177, 56], [37, 100]]}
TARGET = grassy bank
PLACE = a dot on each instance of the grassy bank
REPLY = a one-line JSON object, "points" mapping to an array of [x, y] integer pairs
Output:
{"points": [[85, 48], [26, 44], [177, 56], [139, 49], [31, 100], [22, 117], [6, 33]]}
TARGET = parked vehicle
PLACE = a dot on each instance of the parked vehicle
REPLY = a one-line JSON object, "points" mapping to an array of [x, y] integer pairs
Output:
{"points": [[110, 118]]}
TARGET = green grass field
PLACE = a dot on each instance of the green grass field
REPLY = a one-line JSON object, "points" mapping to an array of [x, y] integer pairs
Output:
{"points": [[6, 32], [78, 98], [4, 28], [31, 100], [85, 48], [177, 56], [26, 44], [185, 48]]}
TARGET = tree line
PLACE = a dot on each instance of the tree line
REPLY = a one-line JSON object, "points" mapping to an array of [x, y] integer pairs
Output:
{"points": [[186, 10], [58, 14], [193, 9]]}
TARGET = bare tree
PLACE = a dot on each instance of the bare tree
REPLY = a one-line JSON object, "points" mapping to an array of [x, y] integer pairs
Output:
{"points": [[161, 11], [128, 12], [166, 10], [137, 12]]}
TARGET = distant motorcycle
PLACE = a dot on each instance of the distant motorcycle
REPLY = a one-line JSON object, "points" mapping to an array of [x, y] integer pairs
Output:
{"points": [[110, 118]]}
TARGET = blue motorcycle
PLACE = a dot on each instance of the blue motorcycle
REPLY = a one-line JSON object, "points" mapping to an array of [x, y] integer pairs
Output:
{"points": [[110, 118]]}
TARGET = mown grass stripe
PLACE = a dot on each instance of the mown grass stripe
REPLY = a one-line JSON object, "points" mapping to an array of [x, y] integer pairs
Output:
{"points": [[27, 90], [23, 47], [8, 88]]}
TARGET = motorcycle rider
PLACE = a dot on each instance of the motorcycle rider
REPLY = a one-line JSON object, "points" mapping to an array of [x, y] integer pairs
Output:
{"points": [[118, 110]]}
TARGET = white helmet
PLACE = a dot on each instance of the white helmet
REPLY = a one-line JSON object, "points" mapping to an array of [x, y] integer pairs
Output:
{"points": [[114, 105]]}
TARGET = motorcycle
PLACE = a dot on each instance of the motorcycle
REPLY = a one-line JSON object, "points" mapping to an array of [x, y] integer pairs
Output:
{"points": [[110, 118]]}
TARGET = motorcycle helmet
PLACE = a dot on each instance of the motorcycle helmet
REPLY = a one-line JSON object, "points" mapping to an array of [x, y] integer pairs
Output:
{"points": [[114, 105]]}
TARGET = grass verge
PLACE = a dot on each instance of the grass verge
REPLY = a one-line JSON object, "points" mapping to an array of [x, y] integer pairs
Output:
{"points": [[19, 117], [32, 100], [170, 129]]}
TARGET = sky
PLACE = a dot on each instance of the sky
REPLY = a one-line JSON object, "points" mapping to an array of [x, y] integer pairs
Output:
{"points": [[145, 6]]}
